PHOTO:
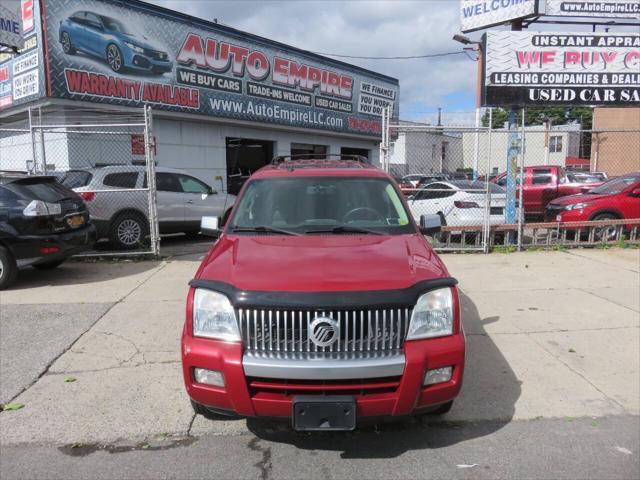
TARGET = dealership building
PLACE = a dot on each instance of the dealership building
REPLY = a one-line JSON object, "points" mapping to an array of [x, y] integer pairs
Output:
{"points": [[225, 102]]}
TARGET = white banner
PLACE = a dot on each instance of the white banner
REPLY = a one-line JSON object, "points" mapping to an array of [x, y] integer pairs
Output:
{"points": [[11, 24], [594, 8], [570, 68], [479, 14]]}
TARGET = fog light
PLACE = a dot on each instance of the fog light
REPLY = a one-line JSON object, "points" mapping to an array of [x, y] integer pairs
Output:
{"points": [[439, 375], [209, 377]]}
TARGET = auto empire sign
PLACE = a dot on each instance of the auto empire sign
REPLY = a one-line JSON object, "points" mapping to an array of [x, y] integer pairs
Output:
{"points": [[11, 24], [590, 8], [543, 68], [479, 14], [131, 56]]}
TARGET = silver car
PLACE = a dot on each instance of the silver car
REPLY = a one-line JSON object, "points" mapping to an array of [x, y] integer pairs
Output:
{"points": [[120, 212]]}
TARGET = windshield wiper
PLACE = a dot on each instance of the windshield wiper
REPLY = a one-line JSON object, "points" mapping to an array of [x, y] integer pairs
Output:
{"points": [[263, 229], [345, 229]]}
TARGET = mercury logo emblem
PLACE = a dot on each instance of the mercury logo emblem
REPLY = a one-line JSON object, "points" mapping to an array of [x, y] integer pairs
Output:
{"points": [[324, 331]]}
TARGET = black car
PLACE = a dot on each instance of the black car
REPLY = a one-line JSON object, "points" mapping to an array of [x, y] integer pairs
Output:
{"points": [[42, 224]]}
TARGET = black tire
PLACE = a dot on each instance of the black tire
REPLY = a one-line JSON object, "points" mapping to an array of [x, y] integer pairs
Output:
{"points": [[8, 268], [128, 231], [114, 58], [605, 234], [67, 44], [49, 265]]}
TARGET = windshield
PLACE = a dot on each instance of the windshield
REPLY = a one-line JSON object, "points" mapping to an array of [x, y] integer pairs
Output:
{"points": [[305, 205], [114, 25], [616, 185]]}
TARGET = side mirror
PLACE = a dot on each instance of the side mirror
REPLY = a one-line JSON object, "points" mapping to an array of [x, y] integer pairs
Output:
{"points": [[430, 224], [210, 226]]}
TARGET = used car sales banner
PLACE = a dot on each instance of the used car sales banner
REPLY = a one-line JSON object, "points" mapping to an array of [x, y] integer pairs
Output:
{"points": [[544, 68], [129, 53]]}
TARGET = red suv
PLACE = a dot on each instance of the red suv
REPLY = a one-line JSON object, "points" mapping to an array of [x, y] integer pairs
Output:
{"points": [[322, 302]]}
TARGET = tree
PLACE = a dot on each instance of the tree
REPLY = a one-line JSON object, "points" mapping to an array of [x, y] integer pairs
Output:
{"points": [[538, 116]]}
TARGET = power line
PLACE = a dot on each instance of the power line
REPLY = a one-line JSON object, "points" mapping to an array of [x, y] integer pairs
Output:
{"points": [[444, 54]]}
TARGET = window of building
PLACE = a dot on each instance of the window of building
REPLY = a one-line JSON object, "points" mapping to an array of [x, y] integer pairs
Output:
{"points": [[555, 144], [362, 152], [245, 156], [308, 149]]}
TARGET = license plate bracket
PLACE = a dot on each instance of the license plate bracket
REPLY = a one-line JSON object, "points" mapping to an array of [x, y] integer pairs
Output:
{"points": [[324, 413]]}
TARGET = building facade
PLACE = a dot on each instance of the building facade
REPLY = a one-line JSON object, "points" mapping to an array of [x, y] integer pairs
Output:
{"points": [[615, 141]]}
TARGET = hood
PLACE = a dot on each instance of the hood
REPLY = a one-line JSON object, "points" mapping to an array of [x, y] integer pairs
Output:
{"points": [[141, 41], [578, 198], [312, 263]]}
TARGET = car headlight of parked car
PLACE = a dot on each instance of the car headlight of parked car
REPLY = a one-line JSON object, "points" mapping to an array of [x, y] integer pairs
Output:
{"points": [[134, 47], [214, 317], [432, 315], [577, 206], [38, 208]]}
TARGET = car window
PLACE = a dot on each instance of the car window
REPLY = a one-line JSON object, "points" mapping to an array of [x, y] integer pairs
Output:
{"points": [[114, 25], [46, 189], [76, 179], [93, 20], [193, 185], [617, 185], [7, 197], [168, 182], [541, 176], [121, 180]]}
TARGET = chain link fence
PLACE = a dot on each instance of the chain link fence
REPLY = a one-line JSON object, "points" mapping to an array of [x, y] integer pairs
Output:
{"points": [[108, 158], [519, 187]]}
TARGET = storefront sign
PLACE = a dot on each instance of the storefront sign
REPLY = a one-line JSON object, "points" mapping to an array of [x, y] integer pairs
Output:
{"points": [[593, 8], [542, 68], [134, 56], [11, 24], [479, 14]]}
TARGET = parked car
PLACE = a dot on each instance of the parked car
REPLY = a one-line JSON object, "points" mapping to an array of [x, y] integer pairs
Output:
{"points": [[413, 179], [284, 321], [544, 183], [121, 213], [459, 202], [109, 39], [42, 224], [616, 199]]}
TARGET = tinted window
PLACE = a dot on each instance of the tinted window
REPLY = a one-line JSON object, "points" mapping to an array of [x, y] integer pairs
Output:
{"points": [[616, 185], [7, 197], [168, 182], [542, 176], [192, 185], [313, 203], [476, 187], [35, 188], [93, 20], [121, 180], [75, 179], [114, 25]]}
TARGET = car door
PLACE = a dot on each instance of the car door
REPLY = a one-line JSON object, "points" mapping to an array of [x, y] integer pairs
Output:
{"points": [[200, 200], [432, 199], [170, 201], [628, 202], [94, 34], [541, 190]]}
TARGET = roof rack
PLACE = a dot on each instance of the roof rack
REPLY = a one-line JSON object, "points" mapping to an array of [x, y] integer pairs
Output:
{"points": [[322, 157]]}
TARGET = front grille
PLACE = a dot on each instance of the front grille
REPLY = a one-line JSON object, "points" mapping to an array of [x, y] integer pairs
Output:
{"points": [[359, 330], [367, 386], [156, 54], [552, 211]]}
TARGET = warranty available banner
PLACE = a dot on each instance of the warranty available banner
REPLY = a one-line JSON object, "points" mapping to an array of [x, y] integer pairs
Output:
{"points": [[543, 68], [109, 52]]}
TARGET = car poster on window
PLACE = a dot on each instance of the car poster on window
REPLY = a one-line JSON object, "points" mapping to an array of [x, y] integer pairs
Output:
{"points": [[129, 54], [22, 76]]}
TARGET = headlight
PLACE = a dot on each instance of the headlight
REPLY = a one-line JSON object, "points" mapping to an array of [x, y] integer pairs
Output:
{"points": [[38, 208], [135, 48], [213, 316], [432, 315], [577, 206]]}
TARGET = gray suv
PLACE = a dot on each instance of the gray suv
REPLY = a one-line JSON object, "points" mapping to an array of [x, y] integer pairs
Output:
{"points": [[118, 203]]}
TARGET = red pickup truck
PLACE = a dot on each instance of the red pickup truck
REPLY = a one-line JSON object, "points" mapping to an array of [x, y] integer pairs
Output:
{"points": [[545, 183]]}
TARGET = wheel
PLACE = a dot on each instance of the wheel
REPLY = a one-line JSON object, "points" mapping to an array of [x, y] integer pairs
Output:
{"points": [[608, 233], [8, 268], [114, 58], [128, 231], [67, 46], [49, 265]]}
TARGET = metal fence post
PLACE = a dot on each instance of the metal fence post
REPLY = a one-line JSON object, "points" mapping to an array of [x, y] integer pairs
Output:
{"points": [[42, 145], [521, 182], [487, 212], [149, 146], [33, 143]]}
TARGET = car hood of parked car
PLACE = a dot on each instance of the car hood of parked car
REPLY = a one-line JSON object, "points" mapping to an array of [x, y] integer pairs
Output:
{"points": [[578, 198], [313, 263]]}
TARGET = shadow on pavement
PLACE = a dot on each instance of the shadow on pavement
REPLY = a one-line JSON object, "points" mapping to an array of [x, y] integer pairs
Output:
{"points": [[486, 404]]}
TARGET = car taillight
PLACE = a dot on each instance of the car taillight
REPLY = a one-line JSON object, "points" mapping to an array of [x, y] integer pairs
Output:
{"points": [[87, 196], [49, 250], [460, 204]]}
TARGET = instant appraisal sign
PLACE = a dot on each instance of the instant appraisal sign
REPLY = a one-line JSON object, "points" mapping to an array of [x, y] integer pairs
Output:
{"points": [[133, 54], [543, 68]]}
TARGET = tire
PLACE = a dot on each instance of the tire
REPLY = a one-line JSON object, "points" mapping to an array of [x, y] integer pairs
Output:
{"points": [[8, 268], [114, 58], [67, 45], [129, 231], [49, 265], [605, 234]]}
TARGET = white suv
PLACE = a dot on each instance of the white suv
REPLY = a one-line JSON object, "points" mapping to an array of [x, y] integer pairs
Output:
{"points": [[118, 203]]}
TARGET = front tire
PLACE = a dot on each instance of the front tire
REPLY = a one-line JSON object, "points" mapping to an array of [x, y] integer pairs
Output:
{"points": [[114, 58], [8, 268], [128, 231], [605, 234], [67, 46]]}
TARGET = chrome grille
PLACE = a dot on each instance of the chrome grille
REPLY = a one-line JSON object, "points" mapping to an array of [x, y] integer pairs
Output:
{"points": [[288, 330]]}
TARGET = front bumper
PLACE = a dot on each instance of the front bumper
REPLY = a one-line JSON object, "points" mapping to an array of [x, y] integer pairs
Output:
{"points": [[146, 63], [27, 249], [399, 395]]}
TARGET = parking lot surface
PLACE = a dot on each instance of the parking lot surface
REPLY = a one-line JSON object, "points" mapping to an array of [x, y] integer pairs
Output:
{"points": [[92, 351]]}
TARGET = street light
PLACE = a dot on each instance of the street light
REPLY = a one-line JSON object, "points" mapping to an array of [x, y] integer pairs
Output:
{"points": [[463, 39]]}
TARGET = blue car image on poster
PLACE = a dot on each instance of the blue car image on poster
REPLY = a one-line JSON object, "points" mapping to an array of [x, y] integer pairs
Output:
{"points": [[107, 38]]}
